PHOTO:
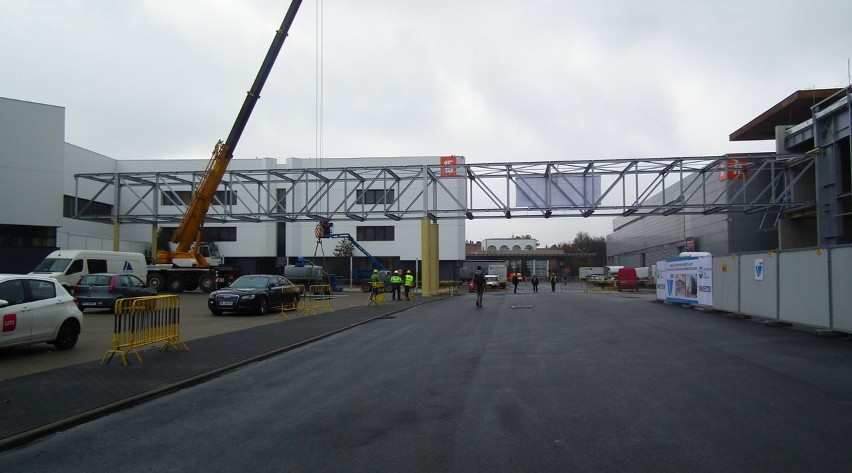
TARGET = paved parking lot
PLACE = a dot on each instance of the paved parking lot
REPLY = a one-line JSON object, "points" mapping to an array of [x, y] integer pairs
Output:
{"points": [[96, 337]]}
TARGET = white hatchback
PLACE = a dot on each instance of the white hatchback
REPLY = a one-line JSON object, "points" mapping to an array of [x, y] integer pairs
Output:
{"points": [[37, 309]]}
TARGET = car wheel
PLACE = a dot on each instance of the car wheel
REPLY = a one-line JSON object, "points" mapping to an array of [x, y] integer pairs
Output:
{"points": [[68, 334], [207, 283], [156, 281], [175, 283], [262, 306], [366, 286]]}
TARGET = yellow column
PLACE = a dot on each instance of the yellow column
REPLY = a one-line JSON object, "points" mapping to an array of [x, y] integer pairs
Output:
{"points": [[434, 254], [426, 257], [116, 236], [154, 243]]}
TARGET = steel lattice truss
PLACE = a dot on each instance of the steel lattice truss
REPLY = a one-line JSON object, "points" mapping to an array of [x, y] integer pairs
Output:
{"points": [[656, 186]]}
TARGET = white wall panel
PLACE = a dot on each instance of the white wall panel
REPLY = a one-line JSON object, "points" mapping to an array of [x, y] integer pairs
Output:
{"points": [[803, 287], [841, 289], [726, 280], [759, 297]]}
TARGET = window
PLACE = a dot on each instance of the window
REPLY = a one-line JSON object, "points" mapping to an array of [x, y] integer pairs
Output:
{"points": [[207, 234], [85, 208], [375, 196], [42, 290], [375, 233], [281, 200], [12, 291], [76, 267], [97, 266], [184, 197], [25, 236]]}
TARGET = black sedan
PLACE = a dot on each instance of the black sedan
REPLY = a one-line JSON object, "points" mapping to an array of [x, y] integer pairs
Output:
{"points": [[256, 293], [103, 290]]}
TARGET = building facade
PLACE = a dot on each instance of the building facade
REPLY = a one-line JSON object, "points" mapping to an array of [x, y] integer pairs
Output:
{"points": [[41, 196], [811, 123]]}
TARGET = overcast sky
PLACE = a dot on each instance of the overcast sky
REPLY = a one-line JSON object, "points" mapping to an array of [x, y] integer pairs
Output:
{"points": [[494, 81]]}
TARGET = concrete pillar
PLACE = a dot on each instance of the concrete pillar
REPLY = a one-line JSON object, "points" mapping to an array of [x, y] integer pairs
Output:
{"points": [[426, 250], [434, 254], [154, 243], [116, 236]]}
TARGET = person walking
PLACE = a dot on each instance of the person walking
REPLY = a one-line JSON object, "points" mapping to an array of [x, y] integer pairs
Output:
{"points": [[534, 282], [515, 281], [553, 280], [479, 284], [409, 283], [396, 285]]}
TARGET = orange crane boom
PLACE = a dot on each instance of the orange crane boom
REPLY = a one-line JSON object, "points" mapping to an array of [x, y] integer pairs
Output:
{"points": [[188, 234]]}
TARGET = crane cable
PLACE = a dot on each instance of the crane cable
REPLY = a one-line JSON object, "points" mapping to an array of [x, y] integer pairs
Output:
{"points": [[319, 86]]}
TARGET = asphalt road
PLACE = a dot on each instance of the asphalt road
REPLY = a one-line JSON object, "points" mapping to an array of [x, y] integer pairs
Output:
{"points": [[531, 382]]}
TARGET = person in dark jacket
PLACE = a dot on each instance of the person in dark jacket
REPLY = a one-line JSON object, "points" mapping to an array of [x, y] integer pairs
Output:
{"points": [[553, 280], [515, 281], [479, 284], [534, 282]]}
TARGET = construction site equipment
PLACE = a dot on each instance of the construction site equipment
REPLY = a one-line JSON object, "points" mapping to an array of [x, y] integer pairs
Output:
{"points": [[186, 266]]}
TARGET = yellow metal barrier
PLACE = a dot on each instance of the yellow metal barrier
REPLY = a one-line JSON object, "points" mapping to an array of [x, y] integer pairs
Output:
{"points": [[379, 297], [294, 305], [142, 321], [449, 288], [317, 298]]}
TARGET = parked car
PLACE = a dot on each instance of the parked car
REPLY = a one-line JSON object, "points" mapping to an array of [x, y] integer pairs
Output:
{"points": [[37, 309], [103, 290], [626, 279], [255, 293], [492, 281]]}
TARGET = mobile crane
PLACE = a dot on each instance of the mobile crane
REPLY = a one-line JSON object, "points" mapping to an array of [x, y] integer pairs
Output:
{"points": [[186, 267]]}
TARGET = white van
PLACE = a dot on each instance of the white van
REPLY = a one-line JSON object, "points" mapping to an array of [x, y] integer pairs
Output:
{"points": [[66, 266]]}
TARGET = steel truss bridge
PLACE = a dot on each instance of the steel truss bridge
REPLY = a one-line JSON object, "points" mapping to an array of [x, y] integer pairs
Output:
{"points": [[616, 187]]}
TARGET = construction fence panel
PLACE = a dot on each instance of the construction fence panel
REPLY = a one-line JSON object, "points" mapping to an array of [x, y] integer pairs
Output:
{"points": [[758, 275], [143, 321], [803, 289], [841, 292], [726, 280]]}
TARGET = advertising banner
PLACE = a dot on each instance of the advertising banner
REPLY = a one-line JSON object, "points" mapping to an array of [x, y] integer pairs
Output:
{"points": [[557, 191], [686, 280]]}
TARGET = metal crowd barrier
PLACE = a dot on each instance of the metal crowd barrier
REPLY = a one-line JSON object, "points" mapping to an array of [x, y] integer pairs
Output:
{"points": [[296, 289], [143, 321], [318, 297], [379, 297]]}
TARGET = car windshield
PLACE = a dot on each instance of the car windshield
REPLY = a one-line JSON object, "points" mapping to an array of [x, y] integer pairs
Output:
{"points": [[52, 265], [250, 282]]}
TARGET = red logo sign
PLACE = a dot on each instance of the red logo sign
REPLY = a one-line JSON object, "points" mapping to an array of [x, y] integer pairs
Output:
{"points": [[10, 322], [734, 169], [448, 166]]}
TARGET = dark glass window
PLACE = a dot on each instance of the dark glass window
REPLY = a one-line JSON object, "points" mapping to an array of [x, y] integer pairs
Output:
{"points": [[207, 234], [375, 233], [85, 208], [184, 197], [26, 236], [375, 196]]}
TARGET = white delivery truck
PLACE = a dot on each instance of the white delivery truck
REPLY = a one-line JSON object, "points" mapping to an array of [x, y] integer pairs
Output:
{"points": [[67, 266]]}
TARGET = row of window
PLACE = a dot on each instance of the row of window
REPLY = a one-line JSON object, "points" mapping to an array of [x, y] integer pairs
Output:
{"points": [[363, 233], [85, 207], [24, 236]]}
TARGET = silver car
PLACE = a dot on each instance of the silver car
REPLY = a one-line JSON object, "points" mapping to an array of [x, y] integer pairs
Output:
{"points": [[37, 309]]}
